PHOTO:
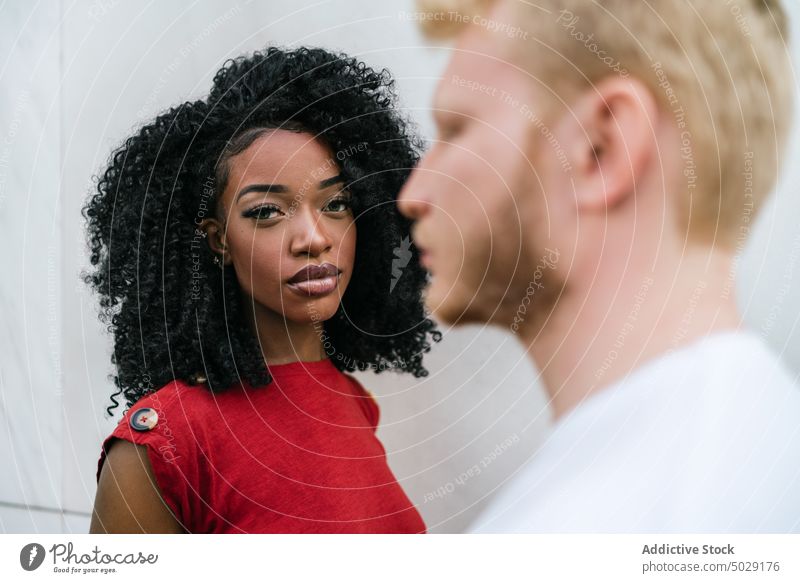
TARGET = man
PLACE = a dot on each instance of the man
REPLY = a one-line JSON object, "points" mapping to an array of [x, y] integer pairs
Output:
{"points": [[597, 169]]}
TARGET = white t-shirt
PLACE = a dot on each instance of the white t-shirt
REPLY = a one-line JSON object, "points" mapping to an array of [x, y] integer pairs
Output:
{"points": [[702, 439]]}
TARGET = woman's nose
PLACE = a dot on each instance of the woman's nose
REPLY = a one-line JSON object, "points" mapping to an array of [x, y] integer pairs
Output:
{"points": [[309, 234]]}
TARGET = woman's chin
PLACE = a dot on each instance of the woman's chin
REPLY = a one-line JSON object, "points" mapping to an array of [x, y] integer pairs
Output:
{"points": [[313, 310]]}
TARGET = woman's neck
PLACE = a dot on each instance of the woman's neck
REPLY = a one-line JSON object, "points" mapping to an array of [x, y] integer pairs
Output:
{"points": [[283, 341]]}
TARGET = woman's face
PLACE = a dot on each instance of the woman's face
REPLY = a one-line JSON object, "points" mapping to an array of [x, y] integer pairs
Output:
{"points": [[285, 211]]}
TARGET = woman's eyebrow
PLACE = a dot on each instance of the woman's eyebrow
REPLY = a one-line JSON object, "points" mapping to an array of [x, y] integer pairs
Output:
{"points": [[276, 188], [331, 181], [281, 188]]}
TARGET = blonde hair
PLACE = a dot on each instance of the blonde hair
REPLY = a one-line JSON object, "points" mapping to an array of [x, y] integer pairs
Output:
{"points": [[720, 67]]}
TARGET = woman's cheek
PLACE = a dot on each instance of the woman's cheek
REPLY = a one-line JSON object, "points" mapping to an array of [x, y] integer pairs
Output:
{"points": [[267, 265], [258, 264], [347, 246]]}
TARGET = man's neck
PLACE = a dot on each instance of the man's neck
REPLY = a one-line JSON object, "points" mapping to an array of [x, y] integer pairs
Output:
{"points": [[595, 339]]}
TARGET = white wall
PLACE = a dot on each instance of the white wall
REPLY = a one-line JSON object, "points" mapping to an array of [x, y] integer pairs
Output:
{"points": [[77, 77]]}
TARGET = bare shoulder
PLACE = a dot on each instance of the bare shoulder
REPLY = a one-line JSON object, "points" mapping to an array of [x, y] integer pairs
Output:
{"points": [[128, 499]]}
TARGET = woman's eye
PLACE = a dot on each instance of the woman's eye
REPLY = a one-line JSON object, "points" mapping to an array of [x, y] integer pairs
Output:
{"points": [[263, 213], [338, 205]]}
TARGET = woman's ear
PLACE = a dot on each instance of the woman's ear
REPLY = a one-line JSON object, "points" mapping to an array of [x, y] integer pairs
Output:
{"points": [[616, 119], [215, 235]]}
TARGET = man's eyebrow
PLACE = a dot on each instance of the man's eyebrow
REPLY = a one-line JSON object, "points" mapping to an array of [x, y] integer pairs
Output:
{"points": [[277, 188], [442, 100]]}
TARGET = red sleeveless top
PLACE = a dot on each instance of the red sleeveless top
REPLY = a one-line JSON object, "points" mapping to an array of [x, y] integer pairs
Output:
{"points": [[297, 455]]}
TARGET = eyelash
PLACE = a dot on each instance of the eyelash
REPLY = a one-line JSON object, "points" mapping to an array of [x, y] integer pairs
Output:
{"points": [[255, 213], [341, 199]]}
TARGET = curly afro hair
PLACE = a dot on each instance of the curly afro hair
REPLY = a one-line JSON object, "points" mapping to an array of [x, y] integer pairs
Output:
{"points": [[172, 312]]}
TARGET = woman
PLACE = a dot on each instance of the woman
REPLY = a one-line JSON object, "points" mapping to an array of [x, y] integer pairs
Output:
{"points": [[247, 251]]}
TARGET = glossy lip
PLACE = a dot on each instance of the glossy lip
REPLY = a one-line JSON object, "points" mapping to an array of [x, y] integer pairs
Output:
{"points": [[314, 272], [315, 280]]}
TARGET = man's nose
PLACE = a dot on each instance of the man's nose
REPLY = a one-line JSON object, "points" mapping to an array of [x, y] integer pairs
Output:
{"points": [[413, 201]]}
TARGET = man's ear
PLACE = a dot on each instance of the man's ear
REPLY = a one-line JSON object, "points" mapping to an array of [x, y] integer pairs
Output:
{"points": [[215, 235], [614, 136]]}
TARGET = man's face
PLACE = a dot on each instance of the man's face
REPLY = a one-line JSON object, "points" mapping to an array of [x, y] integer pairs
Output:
{"points": [[481, 219]]}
